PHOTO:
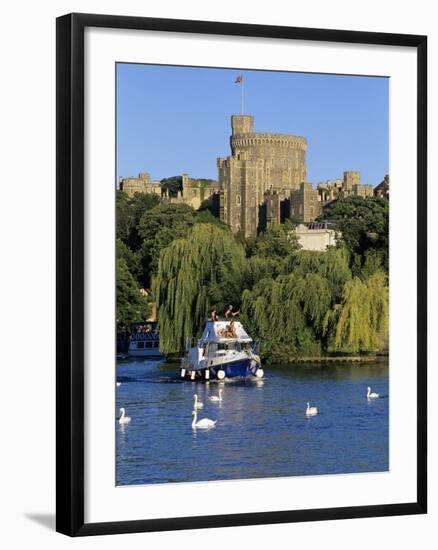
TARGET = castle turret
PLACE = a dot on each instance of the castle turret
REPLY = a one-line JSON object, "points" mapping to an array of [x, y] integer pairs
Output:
{"points": [[242, 124], [351, 178]]}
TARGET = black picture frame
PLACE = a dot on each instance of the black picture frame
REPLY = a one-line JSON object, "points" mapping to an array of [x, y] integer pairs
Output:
{"points": [[70, 272]]}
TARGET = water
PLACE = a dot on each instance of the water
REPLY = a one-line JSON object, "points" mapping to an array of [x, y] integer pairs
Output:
{"points": [[261, 429]]}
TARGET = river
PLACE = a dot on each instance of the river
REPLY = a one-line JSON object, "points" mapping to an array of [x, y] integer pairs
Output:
{"points": [[261, 430]]}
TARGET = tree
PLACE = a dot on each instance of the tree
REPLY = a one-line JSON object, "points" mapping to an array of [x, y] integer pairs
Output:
{"points": [[285, 314], [278, 241], [332, 265], [363, 316], [124, 220], [205, 216], [364, 224], [129, 211], [293, 311], [158, 227], [172, 185], [195, 273], [132, 305], [131, 258]]}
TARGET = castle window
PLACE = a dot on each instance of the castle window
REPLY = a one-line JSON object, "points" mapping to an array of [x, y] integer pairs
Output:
{"points": [[238, 200]]}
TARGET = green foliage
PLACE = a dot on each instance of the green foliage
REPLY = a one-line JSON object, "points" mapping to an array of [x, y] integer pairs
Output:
{"points": [[158, 227], [332, 265], [128, 214], [276, 242], [363, 316], [364, 224], [314, 306], [172, 185], [257, 268], [132, 306], [131, 258], [373, 261], [298, 314], [205, 216], [195, 273], [298, 303], [125, 222], [279, 312]]}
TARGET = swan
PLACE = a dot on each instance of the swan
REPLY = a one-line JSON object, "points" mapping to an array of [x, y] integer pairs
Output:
{"points": [[203, 423], [215, 398], [311, 411], [197, 404], [118, 384], [124, 419], [371, 395]]}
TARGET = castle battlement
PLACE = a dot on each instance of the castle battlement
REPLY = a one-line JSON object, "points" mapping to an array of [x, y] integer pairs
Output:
{"points": [[257, 139]]}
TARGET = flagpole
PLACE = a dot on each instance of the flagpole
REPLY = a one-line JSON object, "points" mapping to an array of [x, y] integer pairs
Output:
{"points": [[243, 80]]}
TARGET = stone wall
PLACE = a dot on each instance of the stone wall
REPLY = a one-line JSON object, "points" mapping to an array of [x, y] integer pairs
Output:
{"points": [[305, 204], [349, 186], [141, 184], [193, 192]]}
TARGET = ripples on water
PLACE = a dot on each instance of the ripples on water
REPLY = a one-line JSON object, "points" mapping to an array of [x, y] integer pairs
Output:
{"points": [[261, 429]]}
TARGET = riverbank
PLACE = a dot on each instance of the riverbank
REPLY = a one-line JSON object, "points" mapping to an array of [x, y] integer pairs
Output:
{"points": [[378, 357], [337, 359]]}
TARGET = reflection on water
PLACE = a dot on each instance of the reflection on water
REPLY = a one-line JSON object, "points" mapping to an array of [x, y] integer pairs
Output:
{"points": [[261, 430]]}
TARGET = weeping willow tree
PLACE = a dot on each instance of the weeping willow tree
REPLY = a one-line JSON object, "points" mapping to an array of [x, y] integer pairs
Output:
{"points": [[196, 273], [362, 319], [290, 306], [287, 314], [332, 265], [257, 268]]}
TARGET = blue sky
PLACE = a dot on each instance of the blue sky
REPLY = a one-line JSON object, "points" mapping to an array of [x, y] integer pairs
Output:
{"points": [[174, 120]]}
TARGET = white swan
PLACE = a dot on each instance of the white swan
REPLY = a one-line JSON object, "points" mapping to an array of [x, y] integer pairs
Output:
{"points": [[203, 423], [118, 384], [215, 398], [124, 419], [197, 404], [311, 411], [371, 395]]}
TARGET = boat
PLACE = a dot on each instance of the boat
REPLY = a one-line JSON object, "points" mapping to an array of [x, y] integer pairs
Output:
{"points": [[225, 350], [145, 342]]}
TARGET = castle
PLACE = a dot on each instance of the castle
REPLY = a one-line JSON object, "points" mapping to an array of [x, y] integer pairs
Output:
{"points": [[264, 181], [262, 171], [142, 184], [193, 191]]}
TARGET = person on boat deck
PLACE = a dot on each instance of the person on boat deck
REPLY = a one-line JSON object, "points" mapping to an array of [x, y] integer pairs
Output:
{"points": [[233, 331], [213, 315], [230, 313]]}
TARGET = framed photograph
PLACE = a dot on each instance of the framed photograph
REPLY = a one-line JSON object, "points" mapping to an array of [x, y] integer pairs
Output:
{"points": [[241, 274]]}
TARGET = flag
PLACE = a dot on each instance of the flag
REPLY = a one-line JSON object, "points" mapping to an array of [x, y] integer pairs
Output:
{"points": [[239, 79]]}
